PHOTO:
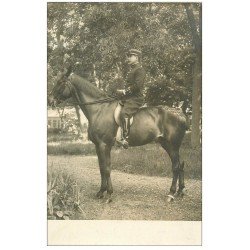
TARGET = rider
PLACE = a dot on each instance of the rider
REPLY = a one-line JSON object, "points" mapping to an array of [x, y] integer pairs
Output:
{"points": [[132, 96]]}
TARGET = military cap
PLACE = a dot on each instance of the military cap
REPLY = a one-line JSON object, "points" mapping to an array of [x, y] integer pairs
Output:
{"points": [[134, 52]]}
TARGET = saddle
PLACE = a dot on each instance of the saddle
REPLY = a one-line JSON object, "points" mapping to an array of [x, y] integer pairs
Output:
{"points": [[117, 116]]}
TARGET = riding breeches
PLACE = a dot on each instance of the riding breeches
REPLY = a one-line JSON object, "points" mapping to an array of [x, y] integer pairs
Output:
{"points": [[131, 106]]}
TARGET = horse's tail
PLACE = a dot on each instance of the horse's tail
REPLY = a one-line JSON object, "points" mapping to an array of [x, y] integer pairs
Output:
{"points": [[183, 108], [185, 124]]}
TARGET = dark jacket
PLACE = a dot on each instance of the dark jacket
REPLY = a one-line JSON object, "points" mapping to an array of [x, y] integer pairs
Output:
{"points": [[133, 98], [135, 81]]}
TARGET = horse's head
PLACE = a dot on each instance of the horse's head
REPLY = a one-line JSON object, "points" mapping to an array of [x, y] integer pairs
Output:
{"points": [[61, 90]]}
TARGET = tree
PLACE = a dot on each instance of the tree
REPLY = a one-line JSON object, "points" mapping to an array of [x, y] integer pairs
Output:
{"points": [[97, 36], [197, 74]]}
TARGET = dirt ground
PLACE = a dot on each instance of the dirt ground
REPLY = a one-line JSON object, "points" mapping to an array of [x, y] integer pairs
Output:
{"points": [[135, 197]]}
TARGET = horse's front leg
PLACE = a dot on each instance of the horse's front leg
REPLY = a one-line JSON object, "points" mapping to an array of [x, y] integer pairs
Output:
{"points": [[101, 160], [108, 172], [103, 152]]}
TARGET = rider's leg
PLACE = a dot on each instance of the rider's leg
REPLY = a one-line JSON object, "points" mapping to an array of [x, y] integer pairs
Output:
{"points": [[125, 123], [126, 128]]}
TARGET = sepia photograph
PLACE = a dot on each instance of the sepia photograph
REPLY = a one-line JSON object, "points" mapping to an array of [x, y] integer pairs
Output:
{"points": [[124, 123]]}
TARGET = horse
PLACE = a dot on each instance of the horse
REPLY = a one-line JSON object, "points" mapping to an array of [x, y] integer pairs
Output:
{"points": [[161, 124]]}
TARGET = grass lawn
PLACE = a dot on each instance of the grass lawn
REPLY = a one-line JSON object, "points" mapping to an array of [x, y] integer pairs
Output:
{"points": [[151, 159]]}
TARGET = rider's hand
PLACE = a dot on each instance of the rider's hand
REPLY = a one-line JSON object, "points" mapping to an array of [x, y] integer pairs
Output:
{"points": [[120, 92]]}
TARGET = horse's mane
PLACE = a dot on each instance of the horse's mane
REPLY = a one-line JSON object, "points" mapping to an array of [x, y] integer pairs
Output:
{"points": [[87, 87]]}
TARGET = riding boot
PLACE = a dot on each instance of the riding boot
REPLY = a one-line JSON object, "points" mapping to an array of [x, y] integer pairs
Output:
{"points": [[125, 128]]}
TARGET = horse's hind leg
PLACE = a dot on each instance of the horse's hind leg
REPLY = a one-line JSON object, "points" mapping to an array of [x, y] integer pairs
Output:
{"points": [[174, 156], [176, 167], [181, 180]]}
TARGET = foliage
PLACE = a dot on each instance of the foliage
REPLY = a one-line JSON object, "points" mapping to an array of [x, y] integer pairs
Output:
{"points": [[167, 92], [95, 37], [71, 148], [70, 125], [63, 199], [60, 137]]}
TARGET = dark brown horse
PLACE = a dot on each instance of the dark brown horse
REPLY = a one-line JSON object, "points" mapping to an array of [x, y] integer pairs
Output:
{"points": [[164, 125]]}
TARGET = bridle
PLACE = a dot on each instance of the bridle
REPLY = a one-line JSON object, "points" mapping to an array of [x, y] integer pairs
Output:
{"points": [[73, 92]]}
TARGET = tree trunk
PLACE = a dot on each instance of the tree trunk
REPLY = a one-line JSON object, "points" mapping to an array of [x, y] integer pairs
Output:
{"points": [[196, 104], [197, 77]]}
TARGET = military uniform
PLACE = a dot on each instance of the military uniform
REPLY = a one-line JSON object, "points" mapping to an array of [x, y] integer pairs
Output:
{"points": [[133, 98]]}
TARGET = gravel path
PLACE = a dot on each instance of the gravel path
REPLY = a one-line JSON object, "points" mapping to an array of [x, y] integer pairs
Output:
{"points": [[135, 197]]}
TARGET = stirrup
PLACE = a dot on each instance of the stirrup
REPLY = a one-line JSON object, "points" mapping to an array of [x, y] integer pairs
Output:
{"points": [[125, 143]]}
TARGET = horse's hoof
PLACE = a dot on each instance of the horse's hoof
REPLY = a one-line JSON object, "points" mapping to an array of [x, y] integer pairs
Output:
{"points": [[99, 195], [181, 193], [108, 200], [170, 198]]}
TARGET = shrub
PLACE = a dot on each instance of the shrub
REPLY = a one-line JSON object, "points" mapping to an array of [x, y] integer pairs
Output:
{"points": [[71, 148], [60, 137], [53, 130], [62, 196]]}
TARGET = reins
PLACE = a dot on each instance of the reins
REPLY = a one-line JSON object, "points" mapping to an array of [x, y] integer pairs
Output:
{"points": [[75, 94], [105, 100]]}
